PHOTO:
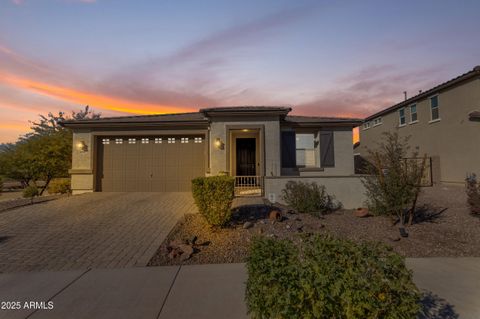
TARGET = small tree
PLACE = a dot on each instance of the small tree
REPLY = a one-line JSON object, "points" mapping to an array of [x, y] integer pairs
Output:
{"points": [[393, 182], [44, 153]]}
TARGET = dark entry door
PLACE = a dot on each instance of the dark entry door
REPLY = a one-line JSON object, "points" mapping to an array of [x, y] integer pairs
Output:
{"points": [[246, 159]]}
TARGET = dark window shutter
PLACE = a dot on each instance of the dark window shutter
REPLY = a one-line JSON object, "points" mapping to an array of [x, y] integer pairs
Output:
{"points": [[327, 156], [288, 149]]}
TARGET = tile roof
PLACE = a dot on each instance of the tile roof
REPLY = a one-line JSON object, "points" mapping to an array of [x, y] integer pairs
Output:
{"points": [[246, 108], [319, 119], [175, 117], [445, 85]]}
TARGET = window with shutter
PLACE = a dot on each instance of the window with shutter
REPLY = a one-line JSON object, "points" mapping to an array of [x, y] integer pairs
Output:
{"points": [[327, 154], [288, 149]]}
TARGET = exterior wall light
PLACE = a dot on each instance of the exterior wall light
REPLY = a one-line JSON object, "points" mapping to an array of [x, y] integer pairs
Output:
{"points": [[81, 146], [219, 145]]}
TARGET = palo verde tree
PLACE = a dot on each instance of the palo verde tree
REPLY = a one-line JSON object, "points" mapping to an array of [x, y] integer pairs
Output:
{"points": [[45, 152], [393, 180]]}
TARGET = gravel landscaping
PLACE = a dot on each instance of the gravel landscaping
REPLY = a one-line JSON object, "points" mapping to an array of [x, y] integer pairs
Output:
{"points": [[445, 229]]}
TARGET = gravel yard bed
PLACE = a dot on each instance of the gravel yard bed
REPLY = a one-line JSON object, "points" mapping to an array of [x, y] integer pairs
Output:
{"points": [[20, 202], [446, 230]]}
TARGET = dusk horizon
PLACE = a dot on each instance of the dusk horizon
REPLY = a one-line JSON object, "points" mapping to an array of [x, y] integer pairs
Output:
{"points": [[344, 59]]}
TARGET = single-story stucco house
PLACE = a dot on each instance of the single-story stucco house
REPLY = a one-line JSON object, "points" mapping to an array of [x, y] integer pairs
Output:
{"points": [[263, 147]]}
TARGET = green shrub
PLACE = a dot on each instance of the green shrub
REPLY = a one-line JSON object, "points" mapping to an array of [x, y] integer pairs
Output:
{"points": [[309, 198], [213, 196], [30, 192], [328, 278], [59, 186]]}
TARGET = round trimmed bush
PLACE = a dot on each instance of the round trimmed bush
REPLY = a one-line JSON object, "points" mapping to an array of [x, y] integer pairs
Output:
{"points": [[213, 196], [325, 277]]}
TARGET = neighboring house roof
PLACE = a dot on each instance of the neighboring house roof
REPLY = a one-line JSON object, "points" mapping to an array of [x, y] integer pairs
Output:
{"points": [[474, 116], [445, 85], [201, 118]]}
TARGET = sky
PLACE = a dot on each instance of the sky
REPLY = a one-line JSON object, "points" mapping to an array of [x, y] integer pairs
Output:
{"points": [[322, 58]]}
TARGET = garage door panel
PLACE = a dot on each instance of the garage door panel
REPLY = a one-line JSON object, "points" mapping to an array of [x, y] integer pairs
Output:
{"points": [[150, 165]]}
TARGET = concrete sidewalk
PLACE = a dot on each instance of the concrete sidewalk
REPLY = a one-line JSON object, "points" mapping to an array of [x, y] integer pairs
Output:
{"points": [[205, 291]]}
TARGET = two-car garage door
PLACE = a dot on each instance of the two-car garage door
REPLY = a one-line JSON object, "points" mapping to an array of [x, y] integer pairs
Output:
{"points": [[149, 163]]}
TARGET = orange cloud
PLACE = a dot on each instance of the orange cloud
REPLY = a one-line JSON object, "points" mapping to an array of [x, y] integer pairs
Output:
{"points": [[87, 98]]}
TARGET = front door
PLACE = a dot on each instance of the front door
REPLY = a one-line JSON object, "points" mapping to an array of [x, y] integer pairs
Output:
{"points": [[246, 156]]}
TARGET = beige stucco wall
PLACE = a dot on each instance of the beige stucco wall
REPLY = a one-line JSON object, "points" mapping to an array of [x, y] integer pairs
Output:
{"points": [[349, 190], [453, 142], [219, 161], [82, 163]]}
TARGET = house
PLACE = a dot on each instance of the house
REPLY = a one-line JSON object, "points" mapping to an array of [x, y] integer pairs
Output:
{"points": [[263, 147], [442, 122]]}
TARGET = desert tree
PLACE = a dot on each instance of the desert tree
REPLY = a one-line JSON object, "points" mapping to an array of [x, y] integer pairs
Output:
{"points": [[393, 178]]}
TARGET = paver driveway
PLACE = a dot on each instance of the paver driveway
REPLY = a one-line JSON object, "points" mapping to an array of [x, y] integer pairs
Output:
{"points": [[96, 230]]}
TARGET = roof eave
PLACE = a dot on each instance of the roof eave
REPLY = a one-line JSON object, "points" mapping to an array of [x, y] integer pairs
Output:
{"points": [[98, 124], [213, 113], [323, 124]]}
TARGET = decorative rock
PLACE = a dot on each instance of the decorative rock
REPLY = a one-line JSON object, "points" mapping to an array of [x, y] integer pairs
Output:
{"points": [[361, 212], [247, 225], [287, 227], [193, 240], [403, 232], [275, 215], [187, 252]]}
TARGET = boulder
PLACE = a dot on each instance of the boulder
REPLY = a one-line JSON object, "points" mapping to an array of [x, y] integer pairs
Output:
{"points": [[247, 225], [361, 212], [275, 215], [187, 252]]}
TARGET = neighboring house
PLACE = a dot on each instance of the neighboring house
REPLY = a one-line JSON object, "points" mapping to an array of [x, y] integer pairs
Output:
{"points": [[442, 123], [263, 147]]}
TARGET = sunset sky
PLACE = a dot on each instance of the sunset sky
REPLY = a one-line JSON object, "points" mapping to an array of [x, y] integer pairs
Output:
{"points": [[324, 58]]}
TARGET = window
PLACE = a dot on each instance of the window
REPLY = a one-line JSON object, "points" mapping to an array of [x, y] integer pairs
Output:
{"points": [[158, 140], [198, 140], [184, 140], [118, 141], [171, 140], [366, 125], [105, 141], [305, 149], [435, 112], [413, 113], [377, 121], [401, 117], [144, 140], [132, 141]]}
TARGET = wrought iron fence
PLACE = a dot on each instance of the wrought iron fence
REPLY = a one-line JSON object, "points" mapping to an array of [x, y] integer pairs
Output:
{"points": [[248, 185]]}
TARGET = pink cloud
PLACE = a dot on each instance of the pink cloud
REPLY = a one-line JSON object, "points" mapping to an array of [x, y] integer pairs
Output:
{"points": [[370, 90]]}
